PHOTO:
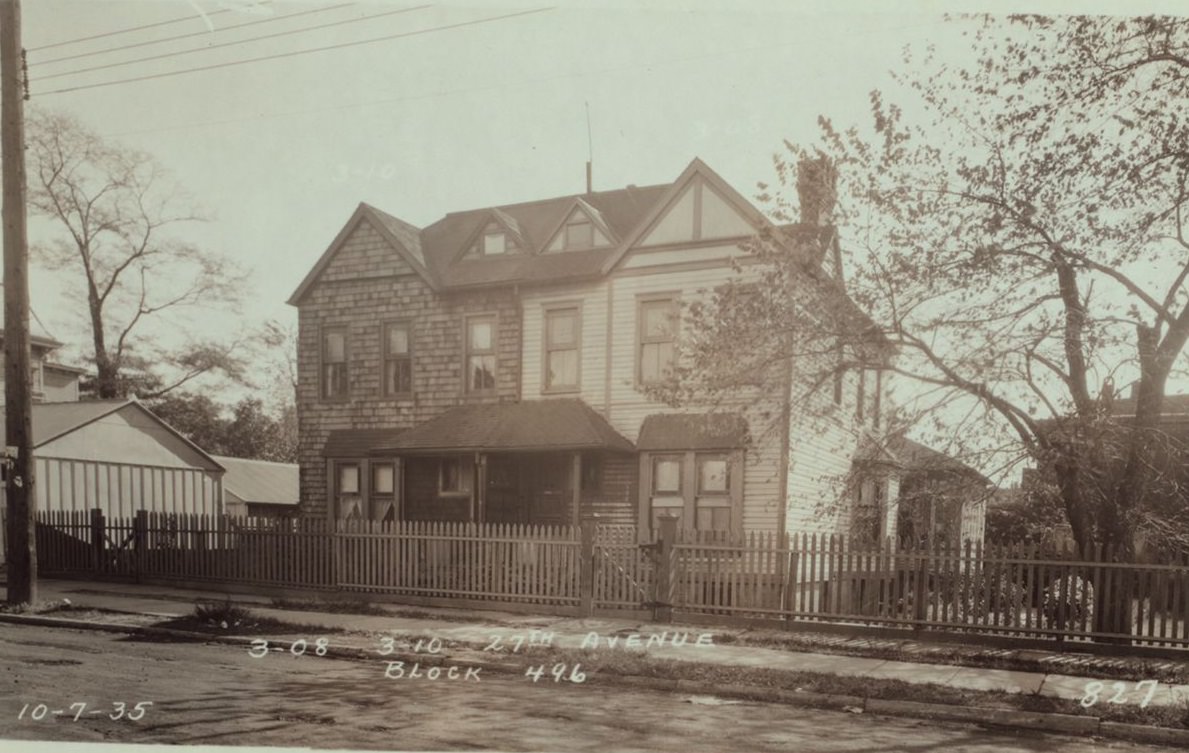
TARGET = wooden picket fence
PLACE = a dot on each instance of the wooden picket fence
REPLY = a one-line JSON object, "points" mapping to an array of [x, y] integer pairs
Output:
{"points": [[1019, 592]]}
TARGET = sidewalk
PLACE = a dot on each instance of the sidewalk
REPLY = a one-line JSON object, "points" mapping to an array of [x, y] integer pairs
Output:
{"points": [[365, 631]]}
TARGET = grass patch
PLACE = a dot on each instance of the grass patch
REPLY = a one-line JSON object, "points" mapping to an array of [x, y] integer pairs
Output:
{"points": [[227, 618], [364, 607], [332, 606], [41, 607], [628, 663], [1134, 669]]}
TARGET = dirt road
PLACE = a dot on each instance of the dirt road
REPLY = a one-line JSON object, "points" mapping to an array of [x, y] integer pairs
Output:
{"points": [[214, 694]]}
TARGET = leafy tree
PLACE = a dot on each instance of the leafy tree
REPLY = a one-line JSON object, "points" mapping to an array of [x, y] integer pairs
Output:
{"points": [[1022, 246], [250, 432], [253, 433], [117, 210], [196, 417]]}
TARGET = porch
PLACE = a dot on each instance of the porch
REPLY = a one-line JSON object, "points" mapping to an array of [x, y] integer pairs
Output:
{"points": [[535, 462]]}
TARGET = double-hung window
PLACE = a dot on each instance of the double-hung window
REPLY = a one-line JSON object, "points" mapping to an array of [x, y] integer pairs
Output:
{"points": [[480, 353], [657, 338], [334, 362], [398, 359], [350, 501], [702, 489], [561, 349]]}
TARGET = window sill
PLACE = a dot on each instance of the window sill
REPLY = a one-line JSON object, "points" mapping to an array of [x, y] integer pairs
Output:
{"points": [[561, 390]]}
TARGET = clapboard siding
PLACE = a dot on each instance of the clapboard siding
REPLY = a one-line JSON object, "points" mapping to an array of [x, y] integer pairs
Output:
{"points": [[592, 302], [629, 406]]}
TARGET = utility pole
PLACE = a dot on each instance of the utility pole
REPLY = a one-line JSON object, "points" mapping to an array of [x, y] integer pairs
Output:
{"points": [[21, 548]]}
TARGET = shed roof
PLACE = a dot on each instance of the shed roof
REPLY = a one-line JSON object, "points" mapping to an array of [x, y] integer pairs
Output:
{"points": [[261, 480], [537, 425], [692, 431], [914, 456]]}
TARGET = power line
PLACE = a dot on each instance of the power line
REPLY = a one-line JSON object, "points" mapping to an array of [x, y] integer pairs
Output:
{"points": [[235, 42], [634, 67], [187, 35], [278, 56], [130, 29]]}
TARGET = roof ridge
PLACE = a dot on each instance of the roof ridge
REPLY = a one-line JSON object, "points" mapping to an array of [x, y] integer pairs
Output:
{"points": [[563, 197]]}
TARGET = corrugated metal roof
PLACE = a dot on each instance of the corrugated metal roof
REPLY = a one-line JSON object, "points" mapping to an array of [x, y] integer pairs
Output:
{"points": [[692, 431], [260, 480], [542, 425]]}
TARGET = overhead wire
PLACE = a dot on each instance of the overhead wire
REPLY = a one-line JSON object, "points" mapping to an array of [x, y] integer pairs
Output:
{"points": [[275, 35], [187, 35], [179, 19], [294, 53]]}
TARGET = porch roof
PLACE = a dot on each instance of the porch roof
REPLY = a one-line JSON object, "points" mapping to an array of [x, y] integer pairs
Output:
{"points": [[693, 431], [539, 425]]}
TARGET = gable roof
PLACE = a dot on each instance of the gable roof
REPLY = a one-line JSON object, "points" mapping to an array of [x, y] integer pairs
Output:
{"points": [[618, 211], [545, 425], [53, 420], [696, 168], [404, 238], [438, 251], [260, 480]]}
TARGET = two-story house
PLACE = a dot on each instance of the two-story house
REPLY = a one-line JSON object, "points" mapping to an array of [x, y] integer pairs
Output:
{"points": [[494, 367]]}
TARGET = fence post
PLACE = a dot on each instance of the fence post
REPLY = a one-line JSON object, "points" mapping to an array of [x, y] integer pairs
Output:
{"points": [[140, 539], [790, 574], [920, 590], [586, 559], [97, 537], [662, 596]]}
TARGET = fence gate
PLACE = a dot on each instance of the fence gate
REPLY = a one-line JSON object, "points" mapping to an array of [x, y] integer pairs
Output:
{"points": [[624, 572]]}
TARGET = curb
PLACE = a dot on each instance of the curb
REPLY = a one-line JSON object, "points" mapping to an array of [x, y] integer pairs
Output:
{"points": [[1004, 718]]}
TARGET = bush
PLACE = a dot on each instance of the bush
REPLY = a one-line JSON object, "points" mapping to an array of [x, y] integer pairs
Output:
{"points": [[975, 596], [221, 614], [1065, 597]]}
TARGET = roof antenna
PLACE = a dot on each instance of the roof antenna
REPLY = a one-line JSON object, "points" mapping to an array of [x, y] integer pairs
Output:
{"points": [[589, 150]]}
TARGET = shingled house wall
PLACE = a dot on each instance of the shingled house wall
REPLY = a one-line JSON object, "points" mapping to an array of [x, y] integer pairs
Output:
{"points": [[366, 284]]}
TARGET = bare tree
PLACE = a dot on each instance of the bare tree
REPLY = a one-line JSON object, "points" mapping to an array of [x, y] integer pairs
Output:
{"points": [[121, 216]]}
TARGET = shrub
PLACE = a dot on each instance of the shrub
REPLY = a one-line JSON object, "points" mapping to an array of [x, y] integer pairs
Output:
{"points": [[221, 614], [1064, 597]]}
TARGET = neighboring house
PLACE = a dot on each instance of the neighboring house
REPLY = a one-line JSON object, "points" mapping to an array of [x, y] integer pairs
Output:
{"points": [[942, 500], [492, 367], [117, 457], [50, 381], [259, 488]]}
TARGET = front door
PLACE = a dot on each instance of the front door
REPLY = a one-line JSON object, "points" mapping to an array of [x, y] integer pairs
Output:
{"points": [[505, 502], [550, 488]]}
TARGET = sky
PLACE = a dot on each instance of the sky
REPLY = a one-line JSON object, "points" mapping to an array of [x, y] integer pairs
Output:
{"points": [[478, 104], [422, 109]]}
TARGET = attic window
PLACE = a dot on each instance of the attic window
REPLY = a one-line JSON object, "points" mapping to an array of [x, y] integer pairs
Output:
{"points": [[495, 243], [578, 233]]}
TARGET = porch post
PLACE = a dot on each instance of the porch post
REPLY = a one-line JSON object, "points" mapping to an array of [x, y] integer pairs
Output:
{"points": [[576, 486], [479, 497]]}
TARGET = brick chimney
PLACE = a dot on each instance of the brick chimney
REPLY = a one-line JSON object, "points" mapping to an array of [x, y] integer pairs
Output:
{"points": [[817, 182]]}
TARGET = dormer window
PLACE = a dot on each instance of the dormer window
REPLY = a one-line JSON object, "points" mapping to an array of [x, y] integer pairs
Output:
{"points": [[577, 233], [494, 240]]}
